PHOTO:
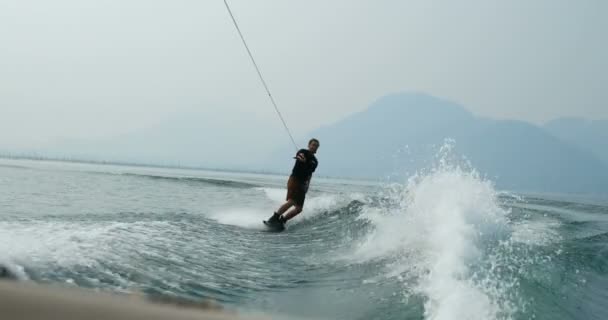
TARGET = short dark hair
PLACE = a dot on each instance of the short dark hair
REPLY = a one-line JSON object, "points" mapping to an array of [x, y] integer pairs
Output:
{"points": [[313, 140]]}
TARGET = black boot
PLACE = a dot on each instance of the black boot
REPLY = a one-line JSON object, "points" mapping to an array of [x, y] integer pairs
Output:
{"points": [[275, 218], [282, 220]]}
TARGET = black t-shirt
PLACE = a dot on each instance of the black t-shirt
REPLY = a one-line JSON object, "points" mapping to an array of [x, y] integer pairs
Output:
{"points": [[302, 170]]}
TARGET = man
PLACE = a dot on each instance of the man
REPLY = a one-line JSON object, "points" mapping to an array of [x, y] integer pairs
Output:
{"points": [[297, 185]]}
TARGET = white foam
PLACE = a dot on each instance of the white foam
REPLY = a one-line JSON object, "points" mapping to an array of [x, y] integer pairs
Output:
{"points": [[242, 217], [58, 243], [435, 234], [248, 217], [275, 194], [14, 269], [537, 233], [313, 205], [68, 244]]}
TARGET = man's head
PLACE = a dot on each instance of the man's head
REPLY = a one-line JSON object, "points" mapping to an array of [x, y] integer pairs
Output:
{"points": [[313, 145]]}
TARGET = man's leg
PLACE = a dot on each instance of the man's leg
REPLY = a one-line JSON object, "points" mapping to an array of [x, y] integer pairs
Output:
{"points": [[295, 197], [289, 198], [285, 207], [298, 204], [293, 212], [277, 214]]}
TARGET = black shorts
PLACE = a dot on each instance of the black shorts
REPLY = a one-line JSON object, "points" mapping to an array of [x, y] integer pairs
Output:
{"points": [[296, 191]]}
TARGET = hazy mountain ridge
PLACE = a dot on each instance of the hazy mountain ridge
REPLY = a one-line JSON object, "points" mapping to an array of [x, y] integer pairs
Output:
{"points": [[402, 132], [395, 136], [591, 135]]}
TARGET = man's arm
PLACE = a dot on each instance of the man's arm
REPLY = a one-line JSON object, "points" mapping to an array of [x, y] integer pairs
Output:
{"points": [[300, 157]]}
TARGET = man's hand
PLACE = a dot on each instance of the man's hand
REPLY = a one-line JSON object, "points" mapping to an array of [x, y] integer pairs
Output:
{"points": [[300, 157]]}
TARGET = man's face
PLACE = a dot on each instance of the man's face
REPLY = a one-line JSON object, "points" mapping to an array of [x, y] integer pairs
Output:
{"points": [[313, 146]]}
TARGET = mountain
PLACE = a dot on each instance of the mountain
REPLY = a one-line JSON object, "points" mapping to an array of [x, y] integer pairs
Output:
{"points": [[207, 138], [400, 133], [591, 135], [394, 137]]}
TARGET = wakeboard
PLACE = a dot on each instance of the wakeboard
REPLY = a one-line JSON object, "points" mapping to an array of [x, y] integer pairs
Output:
{"points": [[274, 227]]}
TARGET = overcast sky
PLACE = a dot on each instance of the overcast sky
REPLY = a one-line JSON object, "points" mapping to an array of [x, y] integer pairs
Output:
{"points": [[85, 69]]}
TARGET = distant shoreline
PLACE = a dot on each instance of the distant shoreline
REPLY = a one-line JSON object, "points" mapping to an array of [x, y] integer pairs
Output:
{"points": [[124, 163], [587, 198], [35, 157]]}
